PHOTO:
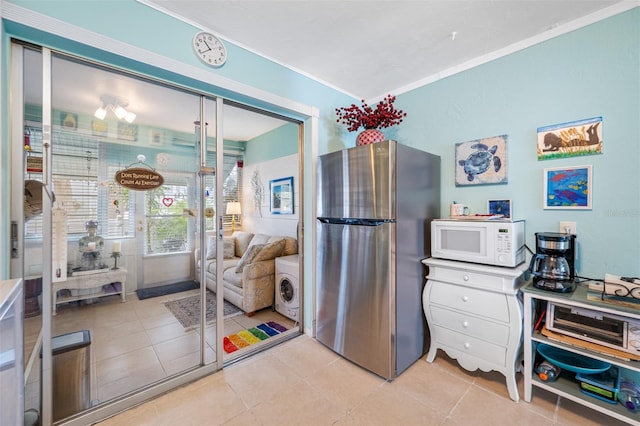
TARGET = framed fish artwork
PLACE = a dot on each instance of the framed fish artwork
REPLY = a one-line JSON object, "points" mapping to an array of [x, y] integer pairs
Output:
{"points": [[568, 188], [502, 207]]}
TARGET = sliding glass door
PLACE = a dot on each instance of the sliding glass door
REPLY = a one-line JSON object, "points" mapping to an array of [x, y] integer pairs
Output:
{"points": [[136, 202], [26, 206], [125, 173]]}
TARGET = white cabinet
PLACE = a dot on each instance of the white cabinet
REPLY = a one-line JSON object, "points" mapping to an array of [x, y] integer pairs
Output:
{"points": [[474, 314], [564, 386]]}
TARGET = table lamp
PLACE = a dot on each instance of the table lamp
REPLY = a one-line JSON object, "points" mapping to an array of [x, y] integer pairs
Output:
{"points": [[233, 208]]}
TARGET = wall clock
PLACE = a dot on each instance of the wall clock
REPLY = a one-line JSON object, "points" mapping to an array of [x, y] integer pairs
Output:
{"points": [[209, 49]]}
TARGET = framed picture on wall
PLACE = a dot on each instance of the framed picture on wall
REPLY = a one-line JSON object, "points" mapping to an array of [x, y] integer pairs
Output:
{"points": [[99, 128], [576, 138], [502, 207], [567, 188], [155, 138], [69, 120], [481, 161], [281, 191], [128, 132]]}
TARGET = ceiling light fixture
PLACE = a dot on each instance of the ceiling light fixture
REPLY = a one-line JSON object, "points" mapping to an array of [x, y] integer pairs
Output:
{"points": [[117, 106], [100, 113]]}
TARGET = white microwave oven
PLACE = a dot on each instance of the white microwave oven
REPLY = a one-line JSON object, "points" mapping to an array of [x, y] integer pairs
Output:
{"points": [[490, 242]]}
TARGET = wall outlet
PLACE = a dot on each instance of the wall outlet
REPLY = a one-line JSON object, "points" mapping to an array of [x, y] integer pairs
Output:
{"points": [[568, 228]]}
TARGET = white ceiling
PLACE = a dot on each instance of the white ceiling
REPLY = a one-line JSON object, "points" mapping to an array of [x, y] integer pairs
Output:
{"points": [[80, 88], [371, 48], [363, 48]]}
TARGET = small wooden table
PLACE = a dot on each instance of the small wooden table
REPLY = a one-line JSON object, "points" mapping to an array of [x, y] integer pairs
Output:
{"points": [[90, 281]]}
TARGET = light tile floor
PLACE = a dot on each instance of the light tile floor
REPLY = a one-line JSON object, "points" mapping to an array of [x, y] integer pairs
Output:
{"points": [[136, 343], [300, 382]]}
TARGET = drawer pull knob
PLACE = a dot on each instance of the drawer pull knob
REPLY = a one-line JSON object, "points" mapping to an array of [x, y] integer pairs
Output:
{"points": [[465, 298], [467, 345], [465, 324], [466, 278]]}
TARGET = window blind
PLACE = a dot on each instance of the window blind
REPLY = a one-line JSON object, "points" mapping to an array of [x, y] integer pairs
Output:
{"points": [[82, 183]]}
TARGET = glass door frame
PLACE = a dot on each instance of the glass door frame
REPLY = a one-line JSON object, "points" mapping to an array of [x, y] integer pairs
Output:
{"points": [[155, 389], [139, 395]]}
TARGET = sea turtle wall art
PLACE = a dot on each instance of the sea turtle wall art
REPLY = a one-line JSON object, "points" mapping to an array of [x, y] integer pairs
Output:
{"points": [[482, 161]]}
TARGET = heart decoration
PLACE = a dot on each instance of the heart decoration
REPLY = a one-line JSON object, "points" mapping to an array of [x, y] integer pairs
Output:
{"points": [[168, 202]]}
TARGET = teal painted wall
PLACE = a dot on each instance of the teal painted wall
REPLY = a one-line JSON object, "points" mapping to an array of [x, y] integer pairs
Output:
{"points": [[593, 71], [589, 72], [278, 143], [151, 30], [133, 23]]}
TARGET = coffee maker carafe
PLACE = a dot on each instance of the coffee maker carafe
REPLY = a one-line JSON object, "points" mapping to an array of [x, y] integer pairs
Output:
{"points": [[553, 265]]}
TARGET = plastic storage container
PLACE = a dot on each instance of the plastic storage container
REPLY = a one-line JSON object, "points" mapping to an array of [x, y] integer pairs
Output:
{"points": [[604, 386], [547, 371]]}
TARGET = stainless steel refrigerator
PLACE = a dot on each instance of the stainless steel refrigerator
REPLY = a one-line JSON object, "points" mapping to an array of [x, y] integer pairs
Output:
{"points": [[375, 205]]}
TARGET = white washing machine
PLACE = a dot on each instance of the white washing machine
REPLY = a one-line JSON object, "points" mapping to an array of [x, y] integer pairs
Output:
{"points": [[288, 286]]}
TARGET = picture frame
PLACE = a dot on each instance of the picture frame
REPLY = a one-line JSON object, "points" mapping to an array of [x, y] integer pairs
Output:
{"points": [[571, 139], [281, 196], [155, 138], [568, 188], [68, 120], [502, 207], [481, 161], [127, 131], [99, 128]]}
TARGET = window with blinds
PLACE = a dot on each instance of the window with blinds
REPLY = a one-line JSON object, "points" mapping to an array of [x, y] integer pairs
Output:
{"points": [[83, 185], [167, 213], [75, 180], [169, 207]]}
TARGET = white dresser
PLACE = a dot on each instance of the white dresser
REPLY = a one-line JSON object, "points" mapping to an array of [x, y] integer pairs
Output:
{"points": [[474, 313]]}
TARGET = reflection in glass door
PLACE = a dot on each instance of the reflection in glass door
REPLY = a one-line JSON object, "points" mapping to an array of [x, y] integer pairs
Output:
{"points": [[262, 237], [124, 224], [142, 198], [27, 205], [213, 173]]}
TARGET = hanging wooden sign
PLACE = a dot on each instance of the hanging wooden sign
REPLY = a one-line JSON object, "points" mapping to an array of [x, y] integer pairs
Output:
{"points": [[139, 179]]}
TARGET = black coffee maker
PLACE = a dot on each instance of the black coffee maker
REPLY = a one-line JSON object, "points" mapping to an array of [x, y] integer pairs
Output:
{"points": [[553, 265]]}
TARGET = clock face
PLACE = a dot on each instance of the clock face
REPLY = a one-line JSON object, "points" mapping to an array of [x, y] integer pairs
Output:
{"points": [[210, 49]]}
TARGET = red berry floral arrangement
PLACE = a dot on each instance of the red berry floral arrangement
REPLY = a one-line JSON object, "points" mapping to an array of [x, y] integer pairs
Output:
{"points": [[384, 115]]}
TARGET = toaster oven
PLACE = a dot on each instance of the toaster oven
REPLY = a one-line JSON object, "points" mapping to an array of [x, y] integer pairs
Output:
{"points": [[602, 328]]}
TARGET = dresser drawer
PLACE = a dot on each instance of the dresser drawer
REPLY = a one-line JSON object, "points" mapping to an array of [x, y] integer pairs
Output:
{"points": [[472, 347], [479, 302], [470, 325], [474, 279]]}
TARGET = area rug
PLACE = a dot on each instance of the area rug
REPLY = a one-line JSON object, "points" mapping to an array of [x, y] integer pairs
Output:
{"points": [[147, 293], [187, 309], [251, 336]]}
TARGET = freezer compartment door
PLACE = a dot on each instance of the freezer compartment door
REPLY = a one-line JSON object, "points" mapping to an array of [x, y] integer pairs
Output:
{"points": [[357, 182], [354, 293]]}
